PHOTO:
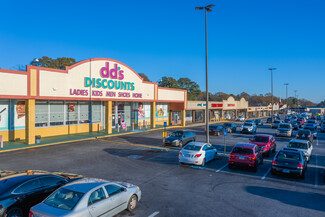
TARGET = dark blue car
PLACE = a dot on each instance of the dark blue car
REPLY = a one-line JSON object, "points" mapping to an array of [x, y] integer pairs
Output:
{"points": [[180, 138]]}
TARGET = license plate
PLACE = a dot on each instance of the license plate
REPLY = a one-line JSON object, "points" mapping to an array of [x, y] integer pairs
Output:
{"points": [[303, 136], [241, 157], [286, 171], [188, 155]]}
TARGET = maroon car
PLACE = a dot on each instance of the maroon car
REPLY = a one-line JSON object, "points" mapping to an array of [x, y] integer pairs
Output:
{"points": [[245, 154], [265, 142]]}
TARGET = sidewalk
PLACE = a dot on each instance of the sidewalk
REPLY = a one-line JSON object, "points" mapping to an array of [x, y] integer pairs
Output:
{"points": [[54, 140]]}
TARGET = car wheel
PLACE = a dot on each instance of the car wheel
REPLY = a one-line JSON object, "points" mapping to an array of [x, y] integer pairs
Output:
{"points": [[132, 203], [180, 144], [302, 176], [274, 150], [203, 163], [215, 156], [262, 161], [273, 172], [230, 166], [14, 212], [255, 168]]}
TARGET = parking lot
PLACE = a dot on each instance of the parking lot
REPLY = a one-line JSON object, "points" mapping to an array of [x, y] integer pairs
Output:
{"points": [[171, 189]]}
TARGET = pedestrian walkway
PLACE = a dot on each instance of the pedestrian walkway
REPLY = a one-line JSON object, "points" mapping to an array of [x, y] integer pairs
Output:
{"points": [[53, 140]]}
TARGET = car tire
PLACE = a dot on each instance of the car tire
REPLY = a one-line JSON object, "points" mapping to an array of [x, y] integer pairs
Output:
{"points": [[180, 144], [133, 201], [274, 150], [203, 162], [262, 161], [273, 172], [215, 156], [255, 168], [230, 166], [302, 176], [14, 212]]}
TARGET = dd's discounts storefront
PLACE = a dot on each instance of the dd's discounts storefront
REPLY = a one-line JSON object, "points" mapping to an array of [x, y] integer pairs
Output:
{"points": [[93, 95]]}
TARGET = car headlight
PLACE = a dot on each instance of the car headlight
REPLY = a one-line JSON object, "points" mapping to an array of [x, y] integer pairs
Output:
{"points": [[138, 188], [176, 141]]}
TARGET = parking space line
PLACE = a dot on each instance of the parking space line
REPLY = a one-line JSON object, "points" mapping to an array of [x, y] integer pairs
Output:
{"points": [[221, 168], [269, 170], [154, 214]]}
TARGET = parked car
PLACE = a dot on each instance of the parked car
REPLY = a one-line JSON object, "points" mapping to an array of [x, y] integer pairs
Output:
{"points": [[216, 130], [230, 127], [89, 197], [249, 121], [20, 191], [301, 120], [248, 128], [265, 142], [322, 128], [240, 118], [276, 123], [258, 122], [312, 121], [289, 161], [287, 120], [284, 130], [180, 138], [197, 153], [269, 120], [245, 154], [295, 125], [312, 130], [298, 124], [310, 126], [305, 135], [303, 145]]}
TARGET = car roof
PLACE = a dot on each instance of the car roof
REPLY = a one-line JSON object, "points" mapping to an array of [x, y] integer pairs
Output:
{"points": [[85, 184], [262, 135], [245, 145], [290, 150], [198, 143], [299, 141]]}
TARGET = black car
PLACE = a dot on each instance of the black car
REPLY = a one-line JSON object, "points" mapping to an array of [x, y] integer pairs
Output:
{"points": [[305, 135], [230, 127], [216, 130], [20, 191], [180, 138], [289, 161], [312, 130], [258, 122], [269, 120]]}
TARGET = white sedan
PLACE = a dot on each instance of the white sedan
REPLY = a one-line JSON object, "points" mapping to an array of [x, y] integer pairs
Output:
{"points": [[197, 153], [302, 145]]}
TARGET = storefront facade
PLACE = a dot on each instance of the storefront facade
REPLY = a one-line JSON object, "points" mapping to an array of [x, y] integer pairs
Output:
{"points": [[91, 96]]}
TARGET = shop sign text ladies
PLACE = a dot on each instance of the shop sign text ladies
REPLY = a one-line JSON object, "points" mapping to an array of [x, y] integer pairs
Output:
{"points": [[111, 79]]}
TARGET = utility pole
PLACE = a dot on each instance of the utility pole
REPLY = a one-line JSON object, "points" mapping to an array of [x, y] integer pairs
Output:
{"points": [[271, 69]]}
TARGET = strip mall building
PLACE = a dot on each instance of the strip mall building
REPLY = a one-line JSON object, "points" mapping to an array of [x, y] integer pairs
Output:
{"points": [[93, 95]]}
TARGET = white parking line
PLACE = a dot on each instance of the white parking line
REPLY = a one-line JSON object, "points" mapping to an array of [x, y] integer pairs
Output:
{"points": [[269, 170], [154, 214], [221, 168]]}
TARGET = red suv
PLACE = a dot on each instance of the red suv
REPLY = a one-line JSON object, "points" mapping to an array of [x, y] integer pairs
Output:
{"points": [[265, 142], [245, 154]]}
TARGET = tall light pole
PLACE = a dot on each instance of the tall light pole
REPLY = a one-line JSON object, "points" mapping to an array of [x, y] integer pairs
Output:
{"points": [[271, 69], [286, 84], [207, 116], [296, 98]]}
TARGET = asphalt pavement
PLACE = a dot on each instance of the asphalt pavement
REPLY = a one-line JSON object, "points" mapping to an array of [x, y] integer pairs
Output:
{"points": [[171, 189]]}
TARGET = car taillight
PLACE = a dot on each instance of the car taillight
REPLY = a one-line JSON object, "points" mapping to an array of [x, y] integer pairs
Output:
{"points": [[253, 158], [308, 136], [198, 155], [180, 154], [297, 135], [274, 163], [300, 166], [31, 214]]}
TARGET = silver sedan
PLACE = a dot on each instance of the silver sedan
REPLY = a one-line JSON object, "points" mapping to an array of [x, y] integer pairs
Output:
{"points": [[89, 197]]}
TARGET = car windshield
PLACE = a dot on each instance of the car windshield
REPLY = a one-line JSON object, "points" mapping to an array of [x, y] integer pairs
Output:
{"points": [[248, 124], [215, 127], [238, 150], [260, 139], [192, 147], [64, 199], [226, 125], [297, 145], [276, 122], [288, 156], [284, 126], [177, 134]]}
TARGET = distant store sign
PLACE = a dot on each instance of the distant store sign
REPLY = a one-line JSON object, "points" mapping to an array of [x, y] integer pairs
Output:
{"points": [[201, 104], [214, 105], [231, 105]]}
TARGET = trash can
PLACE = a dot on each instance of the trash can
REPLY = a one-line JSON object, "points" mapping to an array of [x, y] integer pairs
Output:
{"points": [[37, 139]]}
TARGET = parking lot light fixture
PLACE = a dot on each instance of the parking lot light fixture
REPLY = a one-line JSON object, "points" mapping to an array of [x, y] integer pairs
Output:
{"points": [[272, 69], [207, 118]]}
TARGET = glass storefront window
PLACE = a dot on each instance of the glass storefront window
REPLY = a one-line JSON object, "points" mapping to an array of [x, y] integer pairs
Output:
{"points": [[199, 116], [41, 114], [56, 113], [84, 109], [189, 116], [96, 112], [71, 113]]}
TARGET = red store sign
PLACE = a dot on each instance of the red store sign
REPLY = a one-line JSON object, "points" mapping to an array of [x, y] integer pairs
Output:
{"points": [[214, 105]]}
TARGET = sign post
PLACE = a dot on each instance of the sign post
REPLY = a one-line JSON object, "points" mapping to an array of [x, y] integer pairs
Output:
{"points": [[224, 137], [164, 133]]}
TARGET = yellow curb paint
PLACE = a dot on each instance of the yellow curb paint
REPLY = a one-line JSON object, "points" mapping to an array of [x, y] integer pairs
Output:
{"points": [[134, 144]]}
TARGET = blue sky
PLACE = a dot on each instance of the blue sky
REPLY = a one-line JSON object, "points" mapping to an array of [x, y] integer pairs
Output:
{"points": [[166, 38]]}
